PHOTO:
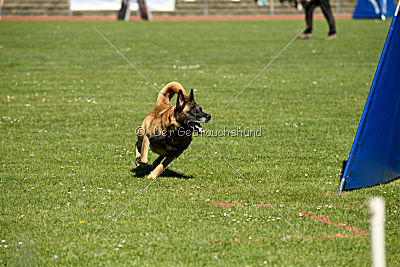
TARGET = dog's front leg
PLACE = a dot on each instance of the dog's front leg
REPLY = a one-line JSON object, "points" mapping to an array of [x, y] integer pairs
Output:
{"points": [[145, 151], [160, 167]]}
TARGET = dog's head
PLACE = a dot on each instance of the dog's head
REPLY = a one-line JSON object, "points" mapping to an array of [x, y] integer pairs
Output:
{"points": [[189, 113]]}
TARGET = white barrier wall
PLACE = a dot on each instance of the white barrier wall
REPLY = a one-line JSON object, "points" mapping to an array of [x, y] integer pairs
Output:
{"points": [[153, 5]]}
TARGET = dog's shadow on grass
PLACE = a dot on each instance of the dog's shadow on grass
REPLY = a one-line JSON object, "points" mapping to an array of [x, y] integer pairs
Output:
{"points": [[142, 171]]}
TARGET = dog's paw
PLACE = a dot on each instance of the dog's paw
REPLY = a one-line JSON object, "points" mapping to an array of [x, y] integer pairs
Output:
{"points": [[151, 176], [139, 162]]}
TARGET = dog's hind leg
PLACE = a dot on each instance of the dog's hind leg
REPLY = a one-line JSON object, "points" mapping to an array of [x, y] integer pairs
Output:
{"points": [[160, 167], [158, 161]]}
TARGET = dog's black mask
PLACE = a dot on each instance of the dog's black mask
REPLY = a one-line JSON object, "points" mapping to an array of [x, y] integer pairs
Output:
{"points": [[189, 113]]}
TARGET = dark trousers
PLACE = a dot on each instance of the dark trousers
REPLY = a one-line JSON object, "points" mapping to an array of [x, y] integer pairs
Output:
{"points": [[326, 10]]}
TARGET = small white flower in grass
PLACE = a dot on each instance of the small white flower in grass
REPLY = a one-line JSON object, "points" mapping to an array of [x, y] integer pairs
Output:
{"points": [[55, 256], [123, 192], [120, 245], [306, 174], [124, 241], [215, 257], [100, 188], [19, 243], [117, 249], [109, 191]]}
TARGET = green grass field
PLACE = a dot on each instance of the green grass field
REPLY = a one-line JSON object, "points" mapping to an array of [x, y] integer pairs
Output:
{"points": [[70, 105]]}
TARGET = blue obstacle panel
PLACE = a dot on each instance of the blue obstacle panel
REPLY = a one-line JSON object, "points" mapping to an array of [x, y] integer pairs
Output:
{"points": [[375, 155], [371, 9]]}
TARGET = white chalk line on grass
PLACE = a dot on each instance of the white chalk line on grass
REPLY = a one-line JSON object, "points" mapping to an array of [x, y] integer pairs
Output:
{"points": [[264, 68], [130, 203], [241, 175], [129, 62]]}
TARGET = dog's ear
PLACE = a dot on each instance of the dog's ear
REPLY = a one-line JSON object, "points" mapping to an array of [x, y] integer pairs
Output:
{"points": [[191, 96], [180, 102]]}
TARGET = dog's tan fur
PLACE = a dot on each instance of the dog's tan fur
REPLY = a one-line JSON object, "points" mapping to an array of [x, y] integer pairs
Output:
{"points": [[164, 118]]}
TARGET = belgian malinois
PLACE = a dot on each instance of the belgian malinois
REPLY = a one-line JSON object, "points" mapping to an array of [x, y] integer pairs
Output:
{"points": [[168, 130]]}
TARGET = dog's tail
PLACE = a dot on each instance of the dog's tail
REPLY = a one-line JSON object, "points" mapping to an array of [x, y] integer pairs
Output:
{"points": [[168, 92]]}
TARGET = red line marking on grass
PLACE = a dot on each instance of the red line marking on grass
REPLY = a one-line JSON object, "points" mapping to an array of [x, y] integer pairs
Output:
{"points": [[355, 231], [171, 18], [326, 220], [263, 205], [234, 203]]}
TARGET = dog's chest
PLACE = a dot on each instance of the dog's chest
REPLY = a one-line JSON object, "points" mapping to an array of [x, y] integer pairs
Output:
{"points": [[169, 145]]}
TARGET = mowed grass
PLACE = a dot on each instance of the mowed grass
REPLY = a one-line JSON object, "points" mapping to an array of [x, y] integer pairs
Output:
{"points": [[70, 105]]}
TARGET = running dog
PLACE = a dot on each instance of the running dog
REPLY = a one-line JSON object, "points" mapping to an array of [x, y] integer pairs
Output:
{"points": [[168, 130]]}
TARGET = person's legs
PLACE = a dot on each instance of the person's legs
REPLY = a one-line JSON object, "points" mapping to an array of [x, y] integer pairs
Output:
{"points": [[309, 10], [326, 10]]}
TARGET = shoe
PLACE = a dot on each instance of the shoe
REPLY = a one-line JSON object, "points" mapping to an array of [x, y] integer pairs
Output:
{"points": [[332, 37], [304, 36]]}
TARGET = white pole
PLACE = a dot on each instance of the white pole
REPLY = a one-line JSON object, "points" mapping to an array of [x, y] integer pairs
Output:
{"points": [[376, 207], [69, 6], [128, 10], [337, 6], [271, 8], [1, 8]]}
